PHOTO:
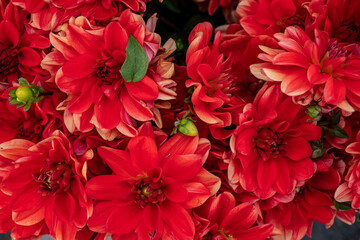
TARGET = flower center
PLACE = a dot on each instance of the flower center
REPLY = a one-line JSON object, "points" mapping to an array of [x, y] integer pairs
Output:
{"points": [[148, 190], [296, 20], [335, 50], [8, 61], [268, 143], [348, 32], [108, 72], [55, 177]]}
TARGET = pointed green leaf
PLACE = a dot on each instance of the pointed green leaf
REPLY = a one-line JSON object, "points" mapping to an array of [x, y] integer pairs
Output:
{"points": [[136, 62], [342, 206], [338, 132], [336, 118]]}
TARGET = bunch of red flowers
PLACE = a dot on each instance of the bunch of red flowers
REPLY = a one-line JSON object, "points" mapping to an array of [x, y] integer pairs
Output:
{"points": [[104, 133]]}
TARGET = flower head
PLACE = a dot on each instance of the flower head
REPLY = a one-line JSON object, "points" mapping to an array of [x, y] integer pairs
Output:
{"points": [[46, 187], [150, 186], [271, 145]]}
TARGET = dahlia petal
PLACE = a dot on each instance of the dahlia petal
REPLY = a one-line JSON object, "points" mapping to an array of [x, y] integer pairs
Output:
{"points": [[197, 194], [11, 38], [182, 226], [254, 233], [124, 218], [118, 160], [64, 207], [31, 216], [15, 148], [22, 176], [106, 112], [108, 187], [62, 45], [143, 152], [27, 199], [315, 76], [245, 141], [152, 216], [343, 193], [34, 6], [29, 57], [353, 148], [310, 132], [220, 207], [317, 198], [291, 59], [182, 167], [210, 181], [334, 91], [242, 216], [65, 230], [67, 84], [145, 89], [298, 148], [80, 104], [115, 36], [251, 26], [283, 8], [174, 191], [82, 41], [266, 173], [283, 183], [135, 108], [131, 4], [295, 83], [80, 66], [102, 211], [328, 180], [301, 170], [178, 145]]}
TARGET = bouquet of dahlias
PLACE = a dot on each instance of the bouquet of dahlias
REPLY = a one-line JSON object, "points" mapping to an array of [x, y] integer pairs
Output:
{"points": [[178, 120]]}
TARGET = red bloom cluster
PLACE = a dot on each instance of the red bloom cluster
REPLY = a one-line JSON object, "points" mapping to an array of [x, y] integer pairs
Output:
{"points": [[104, 134]]}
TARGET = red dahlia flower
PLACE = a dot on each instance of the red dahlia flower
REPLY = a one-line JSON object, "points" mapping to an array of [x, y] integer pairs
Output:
{"points": [[266, 17], [210, 79], [20, 51], [38, 123], [328, 70], [349, 191], [49, 15], [339, 18], [313, 201], [227, 221], [46, 187], [271, 145], [151, 186], [98, 95]]}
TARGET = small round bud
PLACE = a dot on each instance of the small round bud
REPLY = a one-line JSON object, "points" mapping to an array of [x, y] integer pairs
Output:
{"points": [[24, 93]]}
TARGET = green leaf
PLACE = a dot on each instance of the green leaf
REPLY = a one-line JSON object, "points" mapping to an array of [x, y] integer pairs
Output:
{"points": [[342, 206], [172, 5], [336, 118], [338, 132], [136, 62], [23, 82]]}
